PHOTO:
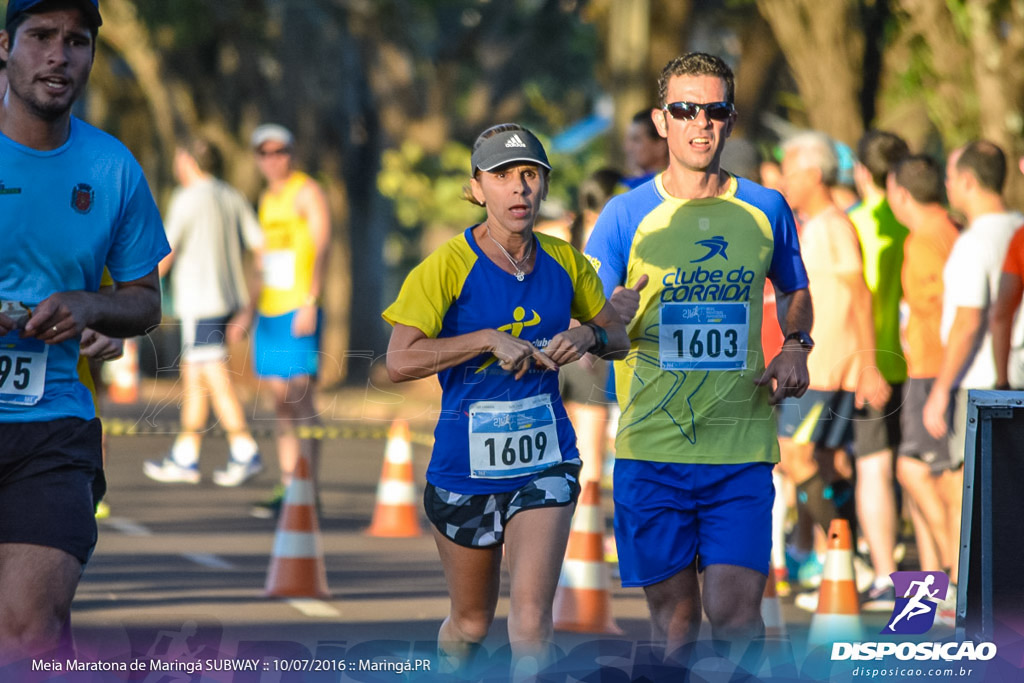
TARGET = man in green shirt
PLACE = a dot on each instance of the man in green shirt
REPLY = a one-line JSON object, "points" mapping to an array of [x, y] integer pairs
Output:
{"points": [[877, 431]]}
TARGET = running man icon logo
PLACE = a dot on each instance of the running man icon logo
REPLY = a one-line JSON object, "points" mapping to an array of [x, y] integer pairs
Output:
{"points": [[715, 246], [515, 141], [914, 612]]}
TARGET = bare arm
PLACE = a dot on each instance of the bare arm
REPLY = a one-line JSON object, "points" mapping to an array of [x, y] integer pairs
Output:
{"points": [[165, 265], [414, 355], [131, 309], [795, 311], [872, 389], [1001, 323], [962, 339], [312, 204], [98, 346]]}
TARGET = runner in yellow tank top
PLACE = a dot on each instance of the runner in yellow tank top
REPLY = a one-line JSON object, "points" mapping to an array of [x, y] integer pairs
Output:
{"points": [[296, 224], [290, 257]]}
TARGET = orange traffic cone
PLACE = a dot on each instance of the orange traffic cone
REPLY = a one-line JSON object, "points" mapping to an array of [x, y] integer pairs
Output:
{"points": [[583, 600], [838, 615], [771, 611], [395, 515], [297, 565], [122, 375]]}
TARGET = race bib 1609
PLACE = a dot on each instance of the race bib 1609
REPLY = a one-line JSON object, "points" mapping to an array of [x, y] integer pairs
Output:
{"points": [[512, 438]]}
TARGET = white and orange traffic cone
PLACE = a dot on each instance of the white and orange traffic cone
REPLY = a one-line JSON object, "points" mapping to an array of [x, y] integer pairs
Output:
{"points": [[583, 601], [122, 375], [297, 565], [395, 515], [838, 615]]}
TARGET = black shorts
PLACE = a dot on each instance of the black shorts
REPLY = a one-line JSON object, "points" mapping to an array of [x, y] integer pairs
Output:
{"points": [[917, 442], [878, 429], [479, 520], [51, 477]]}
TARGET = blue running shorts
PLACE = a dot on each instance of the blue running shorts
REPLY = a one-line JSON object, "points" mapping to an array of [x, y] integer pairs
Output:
{"points": [[668, 514], [278, 353]]}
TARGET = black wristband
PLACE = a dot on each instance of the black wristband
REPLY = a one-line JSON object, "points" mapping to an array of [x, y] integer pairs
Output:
{"points": [[600, 338]]}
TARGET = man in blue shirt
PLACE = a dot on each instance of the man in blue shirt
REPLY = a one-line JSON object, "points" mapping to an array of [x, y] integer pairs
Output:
{"points": [[72, 200]]}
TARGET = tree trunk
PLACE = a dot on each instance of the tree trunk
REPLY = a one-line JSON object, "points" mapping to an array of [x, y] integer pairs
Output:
{"points": [[628, 38], [824, 45]]}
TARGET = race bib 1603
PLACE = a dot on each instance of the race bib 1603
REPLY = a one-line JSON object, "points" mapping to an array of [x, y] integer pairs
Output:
{"points": [[704, 336]]}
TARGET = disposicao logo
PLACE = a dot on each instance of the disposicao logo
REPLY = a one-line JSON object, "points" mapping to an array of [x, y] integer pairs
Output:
{"points": [[918, 595]]}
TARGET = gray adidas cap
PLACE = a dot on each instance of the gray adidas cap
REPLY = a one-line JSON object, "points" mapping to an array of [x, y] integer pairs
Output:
{"points": [[507, 147]]}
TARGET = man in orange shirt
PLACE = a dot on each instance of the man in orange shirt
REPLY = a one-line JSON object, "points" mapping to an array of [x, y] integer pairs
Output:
{"points": [[916, 195]]}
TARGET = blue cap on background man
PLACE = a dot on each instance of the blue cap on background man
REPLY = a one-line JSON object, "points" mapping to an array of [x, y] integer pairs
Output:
{"points": [[91, 8]]}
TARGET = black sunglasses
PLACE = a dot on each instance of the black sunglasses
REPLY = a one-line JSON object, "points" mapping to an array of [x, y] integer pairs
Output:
{"points": [[687, 111], [279, 152]]}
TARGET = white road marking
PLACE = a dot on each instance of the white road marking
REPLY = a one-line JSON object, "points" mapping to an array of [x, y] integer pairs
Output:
{"points": [[208, 560], [314, 608], [127, 527]]}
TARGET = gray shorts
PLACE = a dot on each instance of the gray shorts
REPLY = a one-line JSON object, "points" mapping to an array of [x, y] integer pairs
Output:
{"points": [[916, 441]]}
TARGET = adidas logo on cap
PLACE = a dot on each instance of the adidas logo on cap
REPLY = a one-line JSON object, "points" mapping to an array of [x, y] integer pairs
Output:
{"points": [[515, 141]]}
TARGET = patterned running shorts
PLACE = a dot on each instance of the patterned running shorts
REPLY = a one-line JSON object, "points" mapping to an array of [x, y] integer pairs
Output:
{"points": [[479, 520]]}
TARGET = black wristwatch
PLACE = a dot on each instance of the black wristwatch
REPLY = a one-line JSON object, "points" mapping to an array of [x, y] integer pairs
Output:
{"points": [[600, 338], [806, 343]]}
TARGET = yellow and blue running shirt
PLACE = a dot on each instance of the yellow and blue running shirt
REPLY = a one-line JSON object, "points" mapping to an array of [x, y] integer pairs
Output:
{"points": [[494, 432], [687, 389]]}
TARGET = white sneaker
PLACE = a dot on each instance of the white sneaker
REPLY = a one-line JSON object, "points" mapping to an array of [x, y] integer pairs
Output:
{"points": [[945, 611], [863, 574], [168, 471], [237, 473], [808, 602]]}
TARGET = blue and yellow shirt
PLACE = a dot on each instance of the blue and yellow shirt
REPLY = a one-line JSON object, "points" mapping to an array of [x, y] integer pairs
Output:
{"points": [[494, 432], [687, 389]]}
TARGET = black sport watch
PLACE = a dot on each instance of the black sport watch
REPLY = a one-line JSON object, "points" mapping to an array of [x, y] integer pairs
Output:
{"points": [[600, 338], [804, 339]]}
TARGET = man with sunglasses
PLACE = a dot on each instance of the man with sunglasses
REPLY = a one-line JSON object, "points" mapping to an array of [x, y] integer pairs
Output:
{"points": [[296, 232], [684, 260], [73, 201]]}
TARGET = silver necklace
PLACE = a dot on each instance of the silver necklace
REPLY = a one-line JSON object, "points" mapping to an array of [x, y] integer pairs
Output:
{"points": [[520, 275]]}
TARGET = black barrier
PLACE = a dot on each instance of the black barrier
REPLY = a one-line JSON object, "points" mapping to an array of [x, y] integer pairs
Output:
{"points": [[990, 600]]}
